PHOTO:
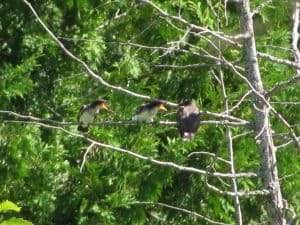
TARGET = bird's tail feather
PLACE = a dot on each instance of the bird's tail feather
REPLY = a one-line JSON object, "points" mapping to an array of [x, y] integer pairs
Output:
{"points": [[187, 136]]}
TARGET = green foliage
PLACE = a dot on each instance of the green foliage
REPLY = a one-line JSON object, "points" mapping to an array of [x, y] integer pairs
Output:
{"points": [[16, 221], [15, 81], [40, 167], [10, 206]]}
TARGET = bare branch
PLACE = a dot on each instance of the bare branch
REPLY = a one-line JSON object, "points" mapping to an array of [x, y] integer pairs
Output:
{"points": [[189, 66], [234, 185], [222, 116], [259, 54], [126, 122], [285, 144], [213, 155], [286, 103], [225, 12], [291, 131], [192, 213], [36, 119], [275, 47], [142, 157], [117, 16], [87, 68], [282, 85], [290, 175], [292, 215], [262, 192], [278, 60], [261, 6], [221, 36], [295, 34], [269, 170], [85, 155], [242, 135], [295, 40], [218, 35], [239, 102], [174, 48], [263, 99]]}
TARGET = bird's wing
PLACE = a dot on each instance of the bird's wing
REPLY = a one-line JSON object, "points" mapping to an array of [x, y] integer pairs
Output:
{"points": [[188, 119], [193, 119], [139, 109], [194, 122], [81, 111], [181, 117], [96, 114]]}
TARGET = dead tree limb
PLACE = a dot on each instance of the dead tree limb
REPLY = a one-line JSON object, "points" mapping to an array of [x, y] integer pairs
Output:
{"points": [[262, 127]]}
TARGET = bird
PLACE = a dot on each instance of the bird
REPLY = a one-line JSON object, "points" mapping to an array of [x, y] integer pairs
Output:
{"points": [[146, 112], [88, 113], [188, 119]]}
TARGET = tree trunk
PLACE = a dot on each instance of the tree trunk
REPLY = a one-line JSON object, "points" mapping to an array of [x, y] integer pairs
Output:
{"points": [[262, 126]]}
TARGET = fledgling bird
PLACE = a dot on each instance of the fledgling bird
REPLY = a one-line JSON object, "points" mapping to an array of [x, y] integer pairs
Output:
{"points": [[145, 113], [88, 113], [188, 119]]}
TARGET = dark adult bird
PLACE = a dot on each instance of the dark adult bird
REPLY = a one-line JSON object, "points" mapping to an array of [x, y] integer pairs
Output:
{"points": [[88, 113], [188, 119], [146, 112]]}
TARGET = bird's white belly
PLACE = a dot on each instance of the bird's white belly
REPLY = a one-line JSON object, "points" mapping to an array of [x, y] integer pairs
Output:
{"points": [[146, 116]]}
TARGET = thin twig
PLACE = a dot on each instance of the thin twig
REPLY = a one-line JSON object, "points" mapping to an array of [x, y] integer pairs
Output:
{"points": [[242, 135], [282, 85], [116, 17], [98, 78], [240, 101], [262, 192], [289, 175], [295, 40], [278, 60], [213, 155], [286, 103], [85, 155], [267, 104], [192, 213], [261, 6], [126, 122], [218, 35], [234, 185]]}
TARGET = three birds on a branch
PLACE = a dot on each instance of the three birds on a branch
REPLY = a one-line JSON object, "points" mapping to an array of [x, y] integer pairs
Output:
{"points": [[188, 115]]}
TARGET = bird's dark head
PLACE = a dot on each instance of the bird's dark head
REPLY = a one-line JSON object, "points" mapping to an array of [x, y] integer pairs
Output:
{"points": [[187, 102], [100, 103], [159, 104]]}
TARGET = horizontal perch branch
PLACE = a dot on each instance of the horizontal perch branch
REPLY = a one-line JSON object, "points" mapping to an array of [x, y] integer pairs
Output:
{"points": [[145, 158], [125, 122], [192, 213]]}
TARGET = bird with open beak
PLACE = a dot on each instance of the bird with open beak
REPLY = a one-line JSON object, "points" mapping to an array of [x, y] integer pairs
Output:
{"points": [[145, 113], [188, 119], [88, 113]]}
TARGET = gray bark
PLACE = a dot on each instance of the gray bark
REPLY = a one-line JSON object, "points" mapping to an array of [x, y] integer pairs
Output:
{"points": [[262, 126], [234, 185]]}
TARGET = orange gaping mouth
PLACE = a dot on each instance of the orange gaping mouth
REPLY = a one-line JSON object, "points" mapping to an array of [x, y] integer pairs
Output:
{"points": [[162, 107], [103, 106]]}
